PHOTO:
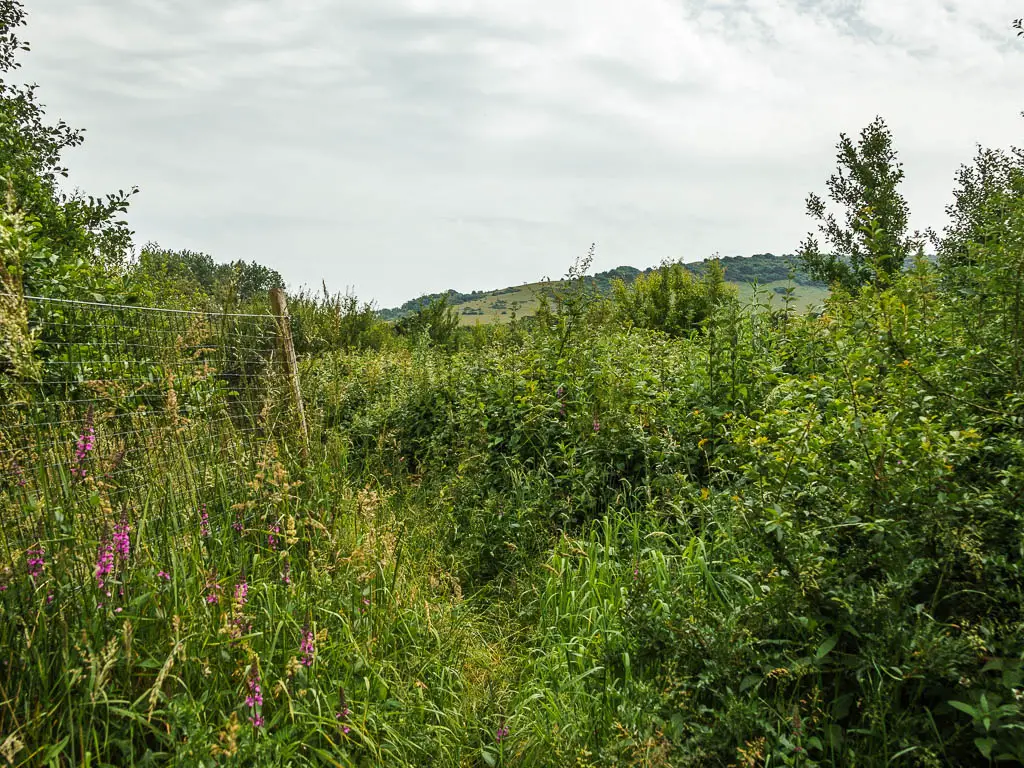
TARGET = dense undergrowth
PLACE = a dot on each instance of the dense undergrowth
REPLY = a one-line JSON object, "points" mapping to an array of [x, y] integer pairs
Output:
{"points": [[786, 539]]}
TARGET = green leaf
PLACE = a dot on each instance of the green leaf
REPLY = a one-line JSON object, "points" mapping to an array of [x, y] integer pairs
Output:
{"points": [[985, 746], [749, 681], [489, 757], [967, 708], [826, 647]]}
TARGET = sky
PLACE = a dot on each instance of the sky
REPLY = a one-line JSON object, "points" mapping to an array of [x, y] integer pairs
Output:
{"points": [[393, 148]]}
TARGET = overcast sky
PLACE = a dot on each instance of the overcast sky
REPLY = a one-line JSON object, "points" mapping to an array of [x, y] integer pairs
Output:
{"points": [[399, 147]]}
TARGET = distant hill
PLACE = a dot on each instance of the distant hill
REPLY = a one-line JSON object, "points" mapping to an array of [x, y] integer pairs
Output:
{"points": [[771, 273]]}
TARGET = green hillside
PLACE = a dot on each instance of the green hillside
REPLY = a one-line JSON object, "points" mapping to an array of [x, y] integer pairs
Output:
{"points": [[771, 273]]}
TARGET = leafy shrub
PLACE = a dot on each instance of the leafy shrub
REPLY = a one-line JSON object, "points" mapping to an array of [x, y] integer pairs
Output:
{"points": [[671, 299]]}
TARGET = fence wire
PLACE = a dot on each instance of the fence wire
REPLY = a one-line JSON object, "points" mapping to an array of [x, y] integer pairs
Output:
{"points": [[127, 407]]}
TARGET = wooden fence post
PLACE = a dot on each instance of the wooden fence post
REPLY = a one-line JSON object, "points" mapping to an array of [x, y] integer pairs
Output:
{"points": [[279, 306]]}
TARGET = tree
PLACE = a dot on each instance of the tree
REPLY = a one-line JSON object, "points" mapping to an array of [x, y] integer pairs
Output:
{"points": [[671, 299], [437, 319], [983, 188], [84, 243], [193, 278], [871, 244]]}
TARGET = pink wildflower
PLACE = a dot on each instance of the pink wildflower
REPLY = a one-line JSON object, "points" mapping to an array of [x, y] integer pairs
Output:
{"points": [[286, 574], [204, 522], [342, 717], [104, 564], [36, 561], [212, 588], [163, 575], [271, 538], [307, 647], [20, 473], [123, 540], [84, 446], [255, 698]]}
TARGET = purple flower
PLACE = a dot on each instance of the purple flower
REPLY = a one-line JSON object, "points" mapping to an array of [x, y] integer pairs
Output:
{"points": [[35, 561], [104, 564], [271, 538], [212, 588], [242, 592], [286, 574], [501, 734], [123, 540], [84, 446], [20, 473], [237, 524], [204, 522], [597, 425], [307, 647], [255, 698], [163, 575], [342, 717]]}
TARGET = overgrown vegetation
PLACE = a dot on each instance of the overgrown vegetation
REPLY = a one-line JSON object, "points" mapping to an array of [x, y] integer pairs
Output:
{"points": [[657, 526]]}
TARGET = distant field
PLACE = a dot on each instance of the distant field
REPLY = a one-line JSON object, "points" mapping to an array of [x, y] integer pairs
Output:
{"points": [[498, 306], [805, 296]]}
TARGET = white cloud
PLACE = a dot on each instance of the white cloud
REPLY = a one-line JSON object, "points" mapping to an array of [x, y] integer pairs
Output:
{"points": [[404, 146]]}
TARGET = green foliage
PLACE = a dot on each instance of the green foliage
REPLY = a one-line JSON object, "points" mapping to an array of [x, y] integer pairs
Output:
{"points": [[870, 244], [983, 196], [195, 280], [329, 323], [436, 321], [86, 242], [791, 540], [671, 299], [17, 247], [760, 268], [451, 296]]}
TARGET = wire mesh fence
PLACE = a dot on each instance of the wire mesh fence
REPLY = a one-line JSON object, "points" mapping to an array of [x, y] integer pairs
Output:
{"points": [[118, 409]]}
